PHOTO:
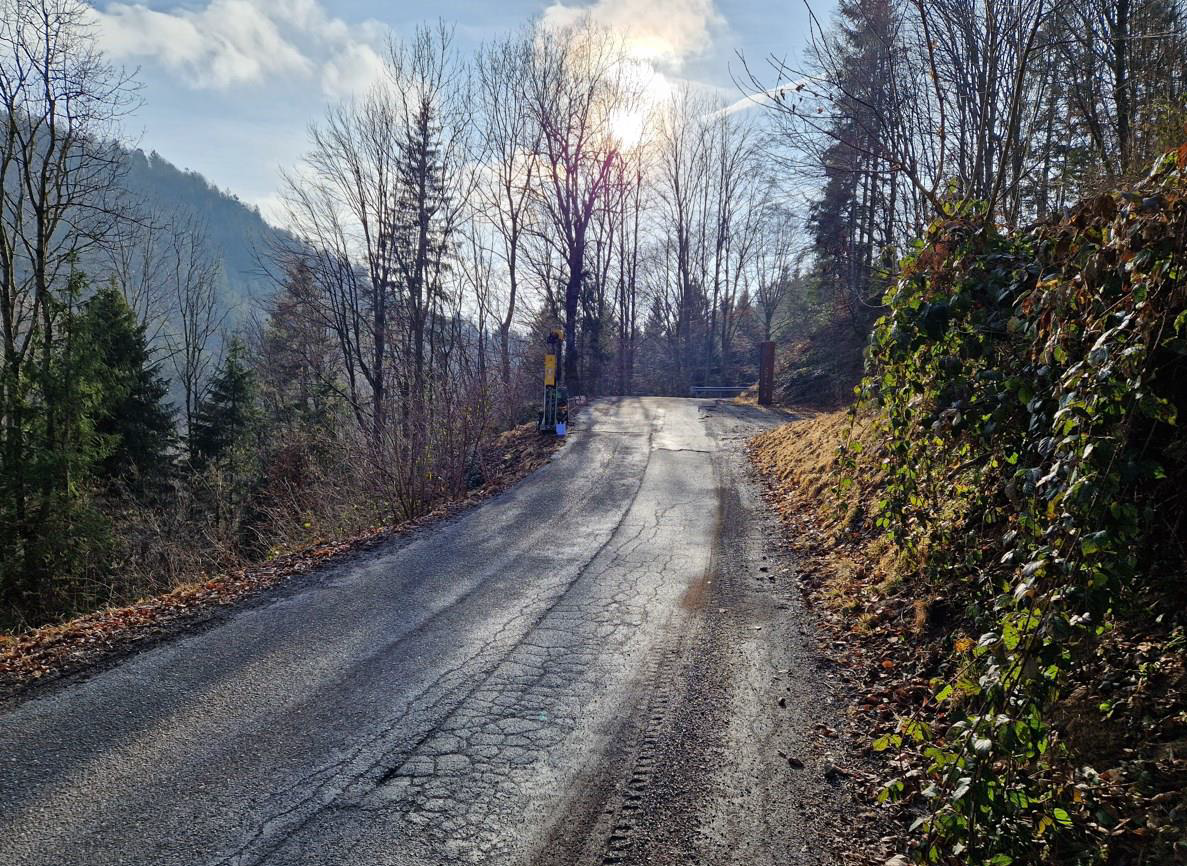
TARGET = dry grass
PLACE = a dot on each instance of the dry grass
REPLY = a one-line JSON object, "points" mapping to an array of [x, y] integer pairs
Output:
{"points": [[850, 568], [866, 587], [802, 464], [53, 650], [897, 637]]}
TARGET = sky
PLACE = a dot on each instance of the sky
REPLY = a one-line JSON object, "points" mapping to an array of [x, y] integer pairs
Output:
{"points": [[229, 87]]}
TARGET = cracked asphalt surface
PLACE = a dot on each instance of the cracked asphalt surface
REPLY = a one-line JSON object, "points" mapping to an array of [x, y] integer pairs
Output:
{"points": [[606, 664]]}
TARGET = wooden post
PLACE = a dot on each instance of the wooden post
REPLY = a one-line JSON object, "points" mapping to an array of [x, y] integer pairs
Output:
{"points": [[766, 373]]}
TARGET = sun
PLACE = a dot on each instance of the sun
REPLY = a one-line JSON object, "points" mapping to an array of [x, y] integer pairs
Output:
{"points": [[627, 127], [648, 88]]}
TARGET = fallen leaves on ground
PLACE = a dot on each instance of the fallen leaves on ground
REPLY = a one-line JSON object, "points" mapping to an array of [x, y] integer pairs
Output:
{"points": [[893, 647]]}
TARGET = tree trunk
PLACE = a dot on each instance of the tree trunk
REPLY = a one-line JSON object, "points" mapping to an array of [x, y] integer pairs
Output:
{"points": [[572, 298]]}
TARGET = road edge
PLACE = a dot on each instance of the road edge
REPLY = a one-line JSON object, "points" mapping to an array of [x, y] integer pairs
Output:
{"points": [[58, 655]]}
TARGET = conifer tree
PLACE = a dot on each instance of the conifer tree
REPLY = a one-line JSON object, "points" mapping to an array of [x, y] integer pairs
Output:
{"points": [[853, 216], [295, 367], [132, 420], [227, 415]]}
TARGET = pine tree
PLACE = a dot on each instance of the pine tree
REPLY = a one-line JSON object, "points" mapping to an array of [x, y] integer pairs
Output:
{"points": [[225, 450], [853, 216], [227, 415], [132, 420], [295, 367]]}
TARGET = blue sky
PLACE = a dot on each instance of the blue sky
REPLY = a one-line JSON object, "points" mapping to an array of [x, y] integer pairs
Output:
{"points": [[230, 86]]}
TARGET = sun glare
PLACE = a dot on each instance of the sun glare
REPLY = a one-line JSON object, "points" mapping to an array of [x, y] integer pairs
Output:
{"points": [[627, 127], [650, 88]]}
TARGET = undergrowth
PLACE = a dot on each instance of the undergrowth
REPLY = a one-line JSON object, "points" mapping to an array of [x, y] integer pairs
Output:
{"points": [[1019, 448]]}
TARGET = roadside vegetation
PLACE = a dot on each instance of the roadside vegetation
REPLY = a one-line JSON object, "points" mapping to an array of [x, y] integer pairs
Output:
{"points": [[50, 651], [995, 528], [1005, 504]]}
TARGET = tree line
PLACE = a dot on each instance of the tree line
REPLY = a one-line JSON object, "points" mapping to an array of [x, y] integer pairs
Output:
{"points": [[544, 181], [904, 110], [441, 224]]}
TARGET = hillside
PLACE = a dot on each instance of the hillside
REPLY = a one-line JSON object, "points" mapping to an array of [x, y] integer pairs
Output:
{"points": [[235, 231]]}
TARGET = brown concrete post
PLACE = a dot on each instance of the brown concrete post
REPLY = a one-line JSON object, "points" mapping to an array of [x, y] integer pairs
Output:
{"points": [[766, 373]]}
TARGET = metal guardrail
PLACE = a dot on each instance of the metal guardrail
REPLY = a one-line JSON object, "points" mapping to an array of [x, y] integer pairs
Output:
{"points": [[718, 390]]}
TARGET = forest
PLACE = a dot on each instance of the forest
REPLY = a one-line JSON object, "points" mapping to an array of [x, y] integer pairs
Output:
{"points": [[965, 217]]}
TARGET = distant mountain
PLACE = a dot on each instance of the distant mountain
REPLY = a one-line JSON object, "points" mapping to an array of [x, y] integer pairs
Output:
{"points": [[236, 234]]}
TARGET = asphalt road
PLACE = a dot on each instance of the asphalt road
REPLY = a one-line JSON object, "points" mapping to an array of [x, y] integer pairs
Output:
{"points": [[575, 671]]}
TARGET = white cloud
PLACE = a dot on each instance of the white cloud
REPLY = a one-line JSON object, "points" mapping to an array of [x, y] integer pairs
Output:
{"points": [[351, 70], [764, 98], [225, 43], [665, 32]]}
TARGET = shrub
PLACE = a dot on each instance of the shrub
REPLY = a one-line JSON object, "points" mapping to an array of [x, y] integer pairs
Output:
{"points": [[1027, 389]]}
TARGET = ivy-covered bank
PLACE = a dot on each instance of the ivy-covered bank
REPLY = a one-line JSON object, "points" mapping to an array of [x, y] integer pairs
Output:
{"points": [[1027, 391], [1018, 477]]}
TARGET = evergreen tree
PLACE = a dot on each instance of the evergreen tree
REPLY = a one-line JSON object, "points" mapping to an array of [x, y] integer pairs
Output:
{"points": [[227, 415], [132, 420], [295, 366], [853, 216], [226, 451]]}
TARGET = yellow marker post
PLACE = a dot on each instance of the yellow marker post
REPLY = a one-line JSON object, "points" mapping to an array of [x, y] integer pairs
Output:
{"points": [[554, 416]]}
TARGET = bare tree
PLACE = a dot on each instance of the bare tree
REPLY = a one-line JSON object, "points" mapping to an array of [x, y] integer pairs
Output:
{"points": [[938, 90], [511, 144], [738, 184], [384, 185], [476, 271], [1124, 63], [685, 173], [630, 182], [343, 206], [574, 85], [136, 258], [706, 163], [774, 258], [191, 273]]}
